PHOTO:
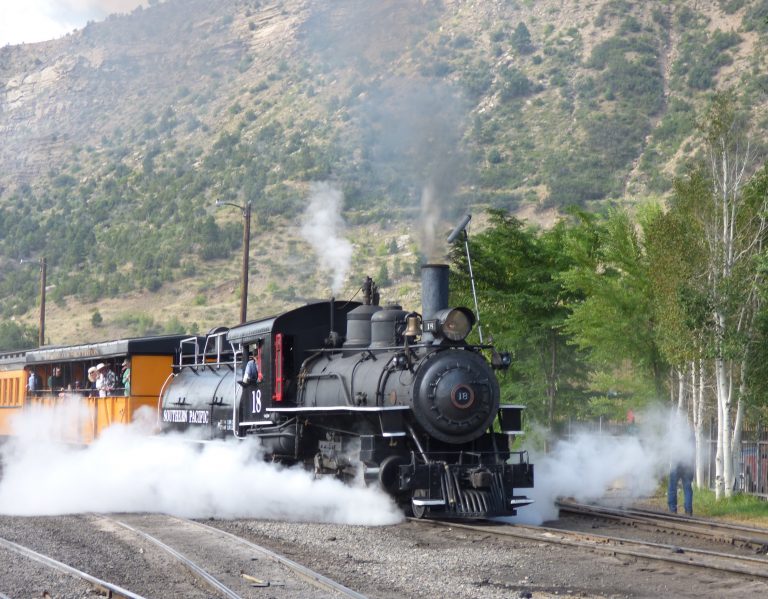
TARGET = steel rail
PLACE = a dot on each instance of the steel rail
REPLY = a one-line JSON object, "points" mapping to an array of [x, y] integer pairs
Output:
{"points": [[724, 531], [699, 558], [102, 585], [209, 579], [322, 582]]}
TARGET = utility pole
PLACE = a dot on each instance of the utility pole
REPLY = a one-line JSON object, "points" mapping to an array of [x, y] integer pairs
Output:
{"points": [[41, 338], [41, 328], [246, 212], [246, 254]]}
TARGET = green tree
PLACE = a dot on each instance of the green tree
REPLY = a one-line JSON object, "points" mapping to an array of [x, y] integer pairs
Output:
{"points": [[16, 336], [614, 321], [521, 39], [733, 219], [523, 307], [383, 276]]}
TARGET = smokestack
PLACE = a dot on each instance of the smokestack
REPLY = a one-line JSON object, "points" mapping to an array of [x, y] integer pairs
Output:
{"points": [[434, 292]]}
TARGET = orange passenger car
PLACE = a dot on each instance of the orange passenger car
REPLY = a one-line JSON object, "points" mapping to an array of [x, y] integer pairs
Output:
{"points": [[60, 379]]}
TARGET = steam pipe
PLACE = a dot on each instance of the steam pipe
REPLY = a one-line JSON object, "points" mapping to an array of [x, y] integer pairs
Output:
{"points": [[461, 229], [474, 291]]}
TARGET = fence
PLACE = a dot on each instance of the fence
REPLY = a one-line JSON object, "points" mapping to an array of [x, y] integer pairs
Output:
{"points": [[751, 467]]}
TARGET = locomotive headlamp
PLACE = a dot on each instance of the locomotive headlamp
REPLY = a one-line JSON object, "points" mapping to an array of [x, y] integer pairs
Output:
{"points": [[453, 324], [501, 360]]}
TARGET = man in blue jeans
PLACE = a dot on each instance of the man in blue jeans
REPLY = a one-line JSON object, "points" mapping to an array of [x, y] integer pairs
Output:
{"points": [[681, 471]]}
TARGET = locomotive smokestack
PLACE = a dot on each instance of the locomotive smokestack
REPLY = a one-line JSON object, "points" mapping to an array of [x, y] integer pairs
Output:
{"points": [[434, 292]]}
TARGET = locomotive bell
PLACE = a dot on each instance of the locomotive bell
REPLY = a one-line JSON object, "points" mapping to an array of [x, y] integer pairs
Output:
{"points": [[413, 328]]}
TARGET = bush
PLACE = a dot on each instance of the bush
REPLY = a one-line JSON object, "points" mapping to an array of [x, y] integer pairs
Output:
{"points": [[514, 84], [756, 17]]}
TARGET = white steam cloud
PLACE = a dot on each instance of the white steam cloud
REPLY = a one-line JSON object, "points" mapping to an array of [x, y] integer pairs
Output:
{"points": [[322, 226], [128, 470], [588, 465]]}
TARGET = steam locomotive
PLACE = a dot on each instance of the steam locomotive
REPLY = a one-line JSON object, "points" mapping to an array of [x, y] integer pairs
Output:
{"points": [[355, 387]]}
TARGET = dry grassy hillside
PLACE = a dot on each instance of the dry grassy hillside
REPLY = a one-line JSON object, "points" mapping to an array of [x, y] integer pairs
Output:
{"points": [[416, 111]]}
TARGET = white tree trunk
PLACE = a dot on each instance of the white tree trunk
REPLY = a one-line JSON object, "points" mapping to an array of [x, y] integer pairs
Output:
{"points": [[681, 395], [724, 431], [697, 413], [719, 458], [738, 423]]}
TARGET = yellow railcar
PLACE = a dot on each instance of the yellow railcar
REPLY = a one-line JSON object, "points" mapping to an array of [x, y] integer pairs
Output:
{"points": [[61, 384]]}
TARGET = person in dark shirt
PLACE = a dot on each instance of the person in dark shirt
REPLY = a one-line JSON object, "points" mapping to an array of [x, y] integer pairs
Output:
{"points": [[681, 470], [56, 381]]}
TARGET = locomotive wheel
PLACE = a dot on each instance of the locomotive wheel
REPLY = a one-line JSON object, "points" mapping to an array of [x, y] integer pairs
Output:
{"points": [[419, 511]]}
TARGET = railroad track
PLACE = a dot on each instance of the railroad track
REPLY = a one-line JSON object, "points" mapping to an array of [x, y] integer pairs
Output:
{"points": [[240, 566], [101, 586], [723, 532], [754, 567]]}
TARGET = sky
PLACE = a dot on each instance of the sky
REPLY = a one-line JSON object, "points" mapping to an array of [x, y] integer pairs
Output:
{"points": [[29, 21]]}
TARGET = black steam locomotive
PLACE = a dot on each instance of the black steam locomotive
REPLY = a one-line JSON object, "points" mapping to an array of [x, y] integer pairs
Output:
{"points": [[353, 386]]}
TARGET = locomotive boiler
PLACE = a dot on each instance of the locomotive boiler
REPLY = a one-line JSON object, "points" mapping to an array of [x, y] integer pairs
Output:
{"points": [[358, 389]]}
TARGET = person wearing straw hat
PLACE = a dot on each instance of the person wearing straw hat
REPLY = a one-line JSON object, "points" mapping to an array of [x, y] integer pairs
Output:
{"points": [[91, 384], [106, 380]]}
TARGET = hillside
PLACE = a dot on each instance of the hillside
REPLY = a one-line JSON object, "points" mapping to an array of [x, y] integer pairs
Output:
{"points": [[118, 138]]}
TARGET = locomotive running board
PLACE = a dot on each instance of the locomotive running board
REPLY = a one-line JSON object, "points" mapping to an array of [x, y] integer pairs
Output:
{"points": [[428, 502], [390, 417], [520, 502], [340, 409]]}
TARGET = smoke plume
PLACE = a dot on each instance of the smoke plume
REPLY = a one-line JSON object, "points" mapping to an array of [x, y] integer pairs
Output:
{"points": [[322, 227], [406, 132], [428, 224], [588, 465], [129, 470], [414, 129]]}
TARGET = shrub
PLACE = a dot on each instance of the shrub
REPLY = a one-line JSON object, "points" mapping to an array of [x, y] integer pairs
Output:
{"points": [[521, 39], [514, 84]]}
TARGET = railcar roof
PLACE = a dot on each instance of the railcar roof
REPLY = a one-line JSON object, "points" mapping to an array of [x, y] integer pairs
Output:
{"points": [[306, 315], [159, 345], [13, 360]]}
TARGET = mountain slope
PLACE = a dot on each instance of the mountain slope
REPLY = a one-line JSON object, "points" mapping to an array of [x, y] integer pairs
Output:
{"points": [[118, 138]]}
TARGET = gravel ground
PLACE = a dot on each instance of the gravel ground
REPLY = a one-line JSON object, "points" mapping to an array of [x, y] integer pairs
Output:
{"points": [[408, 560], [23, 577], [96, 547]]}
